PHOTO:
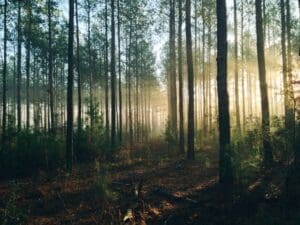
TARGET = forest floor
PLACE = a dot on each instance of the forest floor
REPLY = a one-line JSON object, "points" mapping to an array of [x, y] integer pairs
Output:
{"points": [[171, 191]]}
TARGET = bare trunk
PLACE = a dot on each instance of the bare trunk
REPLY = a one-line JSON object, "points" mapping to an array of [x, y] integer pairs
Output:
{"points": [[225, 168], [268, 158], [190, 150]]}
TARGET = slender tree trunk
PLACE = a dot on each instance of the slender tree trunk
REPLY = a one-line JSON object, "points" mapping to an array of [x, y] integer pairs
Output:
{"points": [[284, 63], [203, 75], [120, 73], [106, 74], [19, 75], [14, 86], [209, 75], [195, 61], [172, 68], [78, 72], [113, 77], [50, 68], [28, 45], [291, 109], [190, 150], [286, 72], [4, 75], [91, 99], [69, 138], [136, 92], [129, 85], [225, 168], [181, 118], [268, 158], [236, 76], [242, 65]]}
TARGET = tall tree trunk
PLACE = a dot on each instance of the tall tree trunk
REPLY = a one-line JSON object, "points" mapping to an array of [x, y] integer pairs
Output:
{"points": [[50, 68], [106, 75], [236, 76], [4, 75], [268, 158], [129, 84], [225, 168], [181, 118], [195, 60], [242, 65], [79, 122], [69, 138], [190, 150], [284, 63], [14, 86], [91, 97], [113, 77], [291, 110], [203, 73], [136, 70], [172, 68], [19, 75], [209, 74], [120, 73], [28, 45]]}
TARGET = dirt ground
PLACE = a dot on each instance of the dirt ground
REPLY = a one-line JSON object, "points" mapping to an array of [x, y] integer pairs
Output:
{"points": [[172, 191]]}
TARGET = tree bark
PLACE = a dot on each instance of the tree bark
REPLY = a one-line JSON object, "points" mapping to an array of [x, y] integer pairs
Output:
{"points": [[180, 79], [91, 97], [268, 158], [290, 113], [172, 75], [225, 168], [106, 75], [113, 77], [19, 75], [4, 71], [242, 65], [50, 68], [79, 122], [236, 76], [190, 150], [69, 138], [28, 45], [120, 73]]}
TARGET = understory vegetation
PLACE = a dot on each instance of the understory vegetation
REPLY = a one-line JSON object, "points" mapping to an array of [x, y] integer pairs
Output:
{"points": [[161, 112]]}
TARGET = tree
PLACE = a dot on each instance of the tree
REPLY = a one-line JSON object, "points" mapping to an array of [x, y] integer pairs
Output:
{"points": [[4, 71], [91, 97], [190, 150], [113, 77], [106, 75], [225, 168], [290, 111], [28, 56], [236, 76], [268, 158], [120, 73], [172, 72], [180, 80], [69, 138], [19, 74], [50, 67], [78, 71]]}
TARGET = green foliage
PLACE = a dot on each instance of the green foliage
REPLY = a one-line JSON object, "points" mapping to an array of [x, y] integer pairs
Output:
{"points": [[12, 213], [102, 191], [28, 151], [281, 140], [246, 155], [91, 142]]}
